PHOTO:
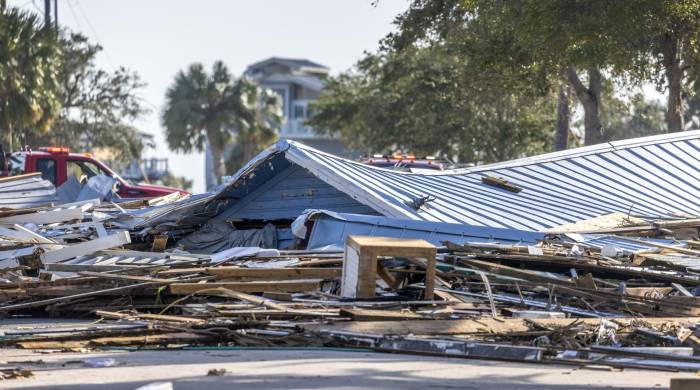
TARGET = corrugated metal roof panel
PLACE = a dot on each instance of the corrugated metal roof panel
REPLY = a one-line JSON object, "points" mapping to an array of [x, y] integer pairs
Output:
{"points": [[651, 176], [26, 191]]}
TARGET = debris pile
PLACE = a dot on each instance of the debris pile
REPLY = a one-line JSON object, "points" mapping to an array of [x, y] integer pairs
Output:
{"points": [[218, 269]]}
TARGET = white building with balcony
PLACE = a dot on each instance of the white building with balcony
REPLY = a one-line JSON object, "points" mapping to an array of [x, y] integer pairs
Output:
{"points": [[298, 82]]}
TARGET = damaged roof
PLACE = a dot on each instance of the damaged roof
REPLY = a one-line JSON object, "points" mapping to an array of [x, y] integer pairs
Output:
{"points": [[655, 176]]}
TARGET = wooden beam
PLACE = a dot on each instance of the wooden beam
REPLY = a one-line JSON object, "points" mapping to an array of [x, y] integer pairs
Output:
{"points": [[277, 314], [380, 315], [248, 287], [128, 277], [252, 299], [499, 269], [147, 316], [45, 217], [486, 325], [261, 273], [86, 248]]}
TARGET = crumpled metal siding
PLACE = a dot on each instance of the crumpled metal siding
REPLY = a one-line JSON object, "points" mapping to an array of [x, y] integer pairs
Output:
{"points": [[331, 229], [26, 191], [651, 176]]}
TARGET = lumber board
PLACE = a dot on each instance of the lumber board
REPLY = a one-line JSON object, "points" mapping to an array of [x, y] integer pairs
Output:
{"points": [[45, 217], [261, 273], [252, 299], [249, 287], [158, 339], [380, 315], [483, 325], [562, 261], [127, 277], [86, 248], [277, 314], [147, 316], [534, 276]]}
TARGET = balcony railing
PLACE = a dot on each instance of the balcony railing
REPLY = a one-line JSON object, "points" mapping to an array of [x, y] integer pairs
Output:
{"points": [[295, 128]]}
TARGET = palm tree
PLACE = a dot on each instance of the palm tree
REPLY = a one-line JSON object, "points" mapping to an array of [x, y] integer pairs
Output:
{"points": [[256, 127], [209, 109], [29, 61]]}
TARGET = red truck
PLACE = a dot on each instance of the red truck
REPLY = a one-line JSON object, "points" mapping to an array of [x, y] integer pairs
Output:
{"points": [[57, 164]]}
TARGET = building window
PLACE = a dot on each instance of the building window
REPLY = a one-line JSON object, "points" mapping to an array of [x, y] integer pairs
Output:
{"points": [[47, 167], [299, 112]]}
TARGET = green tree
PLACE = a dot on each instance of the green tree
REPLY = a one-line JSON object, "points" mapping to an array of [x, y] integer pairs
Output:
{"points": [[98, 108], [430, 101], [578, 42], [629, 114], [29, 64], [175, 181], [256, 127], [668, 31], [206, 109], [572, 44]]}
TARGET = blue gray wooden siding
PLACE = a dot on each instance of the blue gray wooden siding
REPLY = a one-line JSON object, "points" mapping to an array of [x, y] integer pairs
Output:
{"points": [[287, 194]]}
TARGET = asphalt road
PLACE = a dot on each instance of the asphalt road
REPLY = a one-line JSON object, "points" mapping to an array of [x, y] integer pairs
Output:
{"points": [[298, 369]]}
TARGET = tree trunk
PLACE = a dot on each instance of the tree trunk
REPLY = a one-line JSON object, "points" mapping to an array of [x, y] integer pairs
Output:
{"points": [[674, 78], [217, 154], [561, 136], [590, 100], [9, 135], [248, 145]]}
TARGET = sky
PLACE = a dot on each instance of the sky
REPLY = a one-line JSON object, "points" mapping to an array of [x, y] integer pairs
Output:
{"points": [[156, 38]]}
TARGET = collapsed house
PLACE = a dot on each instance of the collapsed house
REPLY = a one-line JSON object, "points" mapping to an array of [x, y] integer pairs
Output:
{"points": [[653, 177], [587, 256]]}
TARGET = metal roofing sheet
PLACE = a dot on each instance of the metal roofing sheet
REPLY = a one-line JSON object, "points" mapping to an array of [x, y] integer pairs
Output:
{"points": [[651, 176], [26, 191]]}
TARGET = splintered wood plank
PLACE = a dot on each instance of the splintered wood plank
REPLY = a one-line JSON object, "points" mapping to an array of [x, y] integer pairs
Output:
{"points": [[252, 299], [262, 273], [40, 218], [157, 339], [484, 325], [248, 287], [380, 315], [147, 316], [277, 314], [126, 277], [86, 248]]}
